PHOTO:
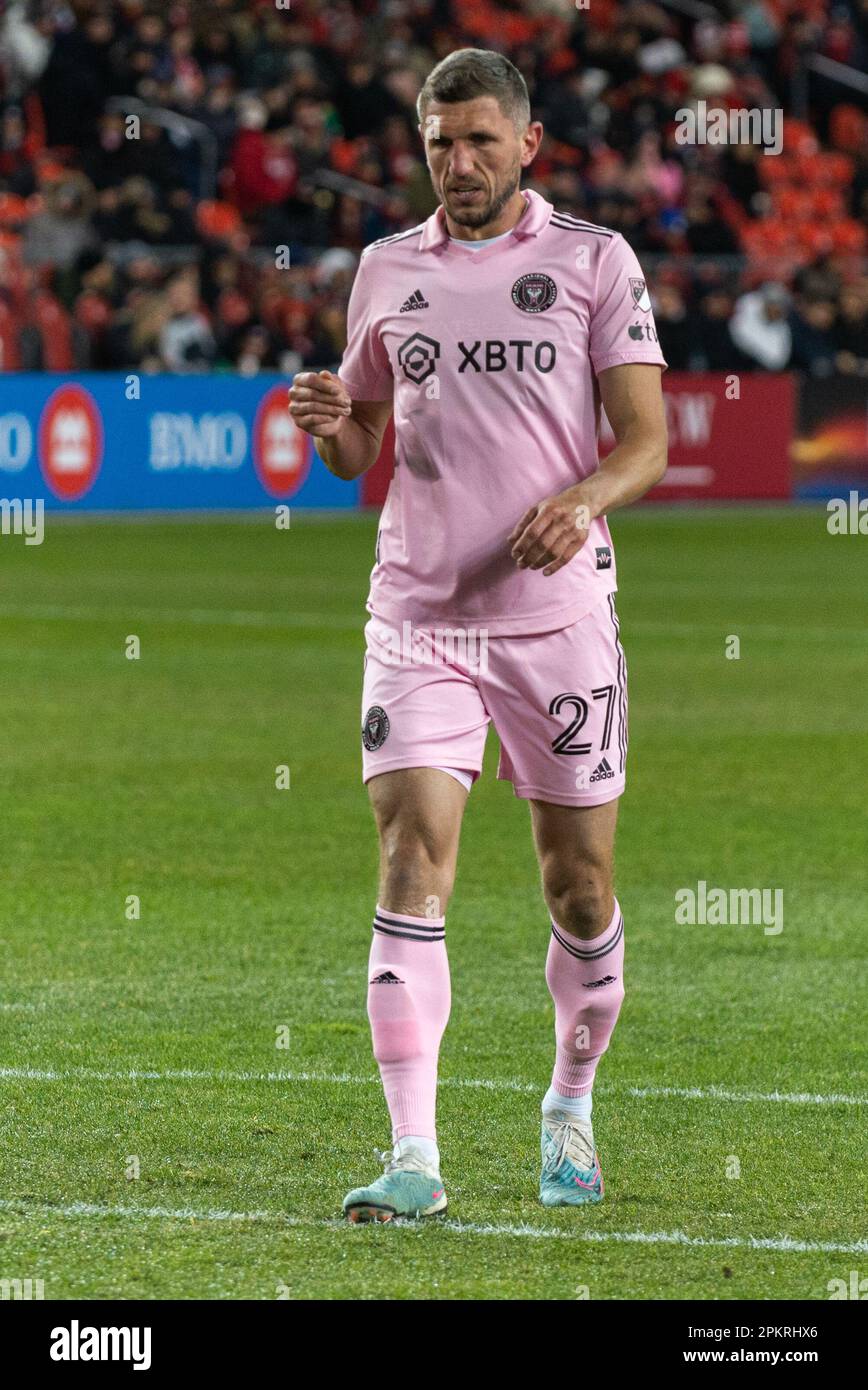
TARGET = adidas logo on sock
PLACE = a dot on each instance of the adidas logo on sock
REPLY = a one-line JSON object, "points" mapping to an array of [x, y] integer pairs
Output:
{"points": [[598, 984], [416, 301], [601, 772], [387, 978]]}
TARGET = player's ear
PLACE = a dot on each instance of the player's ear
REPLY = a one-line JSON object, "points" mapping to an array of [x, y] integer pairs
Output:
{"points": [[531, 141]]}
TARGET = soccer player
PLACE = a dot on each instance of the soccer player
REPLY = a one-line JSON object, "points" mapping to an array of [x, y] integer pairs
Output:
{"points": [[493, 331]]}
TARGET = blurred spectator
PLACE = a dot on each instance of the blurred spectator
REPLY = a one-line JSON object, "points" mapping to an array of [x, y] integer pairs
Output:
{"points": [[813, 341], [25, 46], [760, 329], [57, 236], [186, 343], [17, 150], [362, 99], [677, 327], [263, 166], [262, 128], [717, 350], [851, 329]]}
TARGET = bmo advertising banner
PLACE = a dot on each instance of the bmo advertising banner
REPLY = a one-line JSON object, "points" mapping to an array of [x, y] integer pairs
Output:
{"points": [[110, 442], [729, 438]]}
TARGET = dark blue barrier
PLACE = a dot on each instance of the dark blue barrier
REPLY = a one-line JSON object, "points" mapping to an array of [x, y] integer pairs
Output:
{"points": [[105, 441]]}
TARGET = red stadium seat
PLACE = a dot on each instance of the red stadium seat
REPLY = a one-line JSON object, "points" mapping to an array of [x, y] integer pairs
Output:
{"points": [[840, 169], [92, 312], [849, 235], [55, 329], [799, 137], [815, 239], [49, 171], [848, 129], [343, 155], [769, 237], [13, 274], [217, 220], [828, 203], [793, 203], [829, 170], [14, 211], [776, 170], [10, 348]]}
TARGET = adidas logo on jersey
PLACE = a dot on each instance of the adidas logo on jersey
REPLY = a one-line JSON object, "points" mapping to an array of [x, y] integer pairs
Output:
{"points": [[602, 772], [387, 978], [416, 301]]}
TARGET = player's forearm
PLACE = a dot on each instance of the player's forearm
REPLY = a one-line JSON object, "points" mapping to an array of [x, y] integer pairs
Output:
{"points": [[634, 466], [349, 454]]}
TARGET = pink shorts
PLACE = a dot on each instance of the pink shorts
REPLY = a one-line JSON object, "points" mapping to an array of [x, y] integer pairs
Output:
{"points": [[558, 702]]}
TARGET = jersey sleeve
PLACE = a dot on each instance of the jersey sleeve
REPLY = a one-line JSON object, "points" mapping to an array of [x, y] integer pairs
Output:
{"points": [[622, 325], [365, 368]]}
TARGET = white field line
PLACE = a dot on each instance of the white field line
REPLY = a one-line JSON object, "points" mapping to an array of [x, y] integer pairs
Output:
{"points": [[216, 617], [345, 1078], [783, 1244], [253, 618]]}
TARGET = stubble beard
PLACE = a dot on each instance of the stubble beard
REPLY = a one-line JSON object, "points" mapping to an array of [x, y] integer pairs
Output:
{"points": [[480, 217]]}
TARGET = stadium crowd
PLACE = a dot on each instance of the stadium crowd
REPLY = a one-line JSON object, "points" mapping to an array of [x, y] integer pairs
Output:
{"points": [[273, 140]]}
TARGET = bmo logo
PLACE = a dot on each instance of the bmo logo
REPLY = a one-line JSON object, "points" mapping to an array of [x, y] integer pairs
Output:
{"points": [[281, 451], [70, 442], [16, 442]]}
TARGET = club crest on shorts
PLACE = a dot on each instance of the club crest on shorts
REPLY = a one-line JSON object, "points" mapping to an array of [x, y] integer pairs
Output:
{"points": [[534, 292], [375, 729]]}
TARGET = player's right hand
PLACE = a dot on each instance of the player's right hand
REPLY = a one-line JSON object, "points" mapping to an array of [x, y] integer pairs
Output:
{"points": [[319, 403]]}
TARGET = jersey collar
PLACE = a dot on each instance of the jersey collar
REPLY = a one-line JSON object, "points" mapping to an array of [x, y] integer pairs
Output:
{"points": [[530, 224]]}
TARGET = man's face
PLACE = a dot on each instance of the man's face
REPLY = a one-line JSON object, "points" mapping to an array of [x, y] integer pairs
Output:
{"points": [[475, 156]]}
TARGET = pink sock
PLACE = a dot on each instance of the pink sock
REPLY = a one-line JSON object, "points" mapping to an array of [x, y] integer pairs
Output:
{"points": [[409, 998], [585, 979]]}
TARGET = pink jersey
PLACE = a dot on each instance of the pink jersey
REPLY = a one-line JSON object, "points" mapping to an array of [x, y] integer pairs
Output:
{"points": [[491, 357]]}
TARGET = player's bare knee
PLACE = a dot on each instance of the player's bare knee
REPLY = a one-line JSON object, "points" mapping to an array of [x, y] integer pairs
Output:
{"points": [[416, 868], [580, 900]]}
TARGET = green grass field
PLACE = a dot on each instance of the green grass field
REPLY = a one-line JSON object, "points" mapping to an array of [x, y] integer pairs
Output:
{"points": [[149, 1045]]}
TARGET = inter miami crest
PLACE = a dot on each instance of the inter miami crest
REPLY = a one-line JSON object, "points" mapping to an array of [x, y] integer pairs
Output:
{"points": [[375, 729], [534, 292]]}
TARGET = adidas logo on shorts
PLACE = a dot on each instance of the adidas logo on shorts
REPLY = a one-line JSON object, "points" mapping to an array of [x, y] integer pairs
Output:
{"points": [[602, 772]]}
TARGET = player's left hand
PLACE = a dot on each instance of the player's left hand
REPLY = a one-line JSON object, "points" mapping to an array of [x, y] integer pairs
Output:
{"points": [[551, 533]]}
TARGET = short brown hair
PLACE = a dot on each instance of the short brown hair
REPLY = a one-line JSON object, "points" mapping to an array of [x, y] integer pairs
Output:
{"points": [[477, 72]]}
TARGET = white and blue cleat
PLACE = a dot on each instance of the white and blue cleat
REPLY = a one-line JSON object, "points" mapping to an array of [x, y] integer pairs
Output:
{"points": [[408, 1187], [571, 1174]]}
